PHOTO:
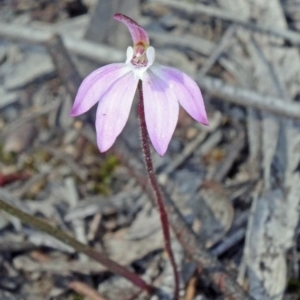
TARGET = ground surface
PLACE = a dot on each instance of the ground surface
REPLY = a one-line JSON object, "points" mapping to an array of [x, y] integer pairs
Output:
{"points": [[235, 182]]}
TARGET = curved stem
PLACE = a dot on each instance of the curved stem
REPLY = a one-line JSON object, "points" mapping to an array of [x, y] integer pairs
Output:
{"points": [[111, 265], [156, 189]]}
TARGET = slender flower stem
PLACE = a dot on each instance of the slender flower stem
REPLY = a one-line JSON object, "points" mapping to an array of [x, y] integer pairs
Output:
{"points": [[79, 247], [156, 189]]}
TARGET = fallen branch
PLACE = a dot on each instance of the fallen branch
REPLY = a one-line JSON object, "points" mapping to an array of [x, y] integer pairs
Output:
{"points": [[248, 98]]}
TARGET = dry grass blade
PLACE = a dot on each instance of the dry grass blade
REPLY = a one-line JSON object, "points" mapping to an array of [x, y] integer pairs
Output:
{"points": [[85, 290]]}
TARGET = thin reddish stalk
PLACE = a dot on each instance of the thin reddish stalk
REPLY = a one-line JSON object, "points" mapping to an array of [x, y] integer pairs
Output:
{"points": [[208, 266], [156, 189]]}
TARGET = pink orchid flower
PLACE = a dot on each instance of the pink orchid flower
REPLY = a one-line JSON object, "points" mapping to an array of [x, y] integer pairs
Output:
{"points": [[114, 86]]}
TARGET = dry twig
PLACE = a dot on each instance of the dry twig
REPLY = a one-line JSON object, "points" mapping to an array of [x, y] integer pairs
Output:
{"points": [[65, 68], [248, 98], [79, 247]]}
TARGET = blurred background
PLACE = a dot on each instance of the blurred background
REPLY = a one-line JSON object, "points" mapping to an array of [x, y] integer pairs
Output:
{"points": [[236, 181]]}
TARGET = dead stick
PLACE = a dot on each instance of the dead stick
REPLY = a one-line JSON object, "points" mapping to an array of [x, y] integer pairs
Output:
{"points": [[78, 246], [94, 51], [64, 66], [248, 98]]}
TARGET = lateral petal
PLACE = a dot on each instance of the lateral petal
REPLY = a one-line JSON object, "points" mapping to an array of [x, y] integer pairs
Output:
{"points": [[95, 85], [186, 90], [161, 111], [113, 110], [138, 34]]}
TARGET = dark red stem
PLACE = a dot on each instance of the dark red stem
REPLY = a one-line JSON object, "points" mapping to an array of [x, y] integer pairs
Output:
{"points": [[6, 179], [156, 189]]}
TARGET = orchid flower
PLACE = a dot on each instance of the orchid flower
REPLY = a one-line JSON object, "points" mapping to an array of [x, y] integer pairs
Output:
{"points": [[114, 87]]}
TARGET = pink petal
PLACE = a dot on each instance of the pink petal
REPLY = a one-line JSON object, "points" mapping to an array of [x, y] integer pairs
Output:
{"points": [[161, 111], [138, 34], [186, 90], [95, 85], [113, 110]]}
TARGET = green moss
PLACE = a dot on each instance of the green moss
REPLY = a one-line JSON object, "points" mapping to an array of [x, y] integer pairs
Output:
{"points": [[293, 286], [108, 166], [103, 175], [7, 157], [78, 297]]}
